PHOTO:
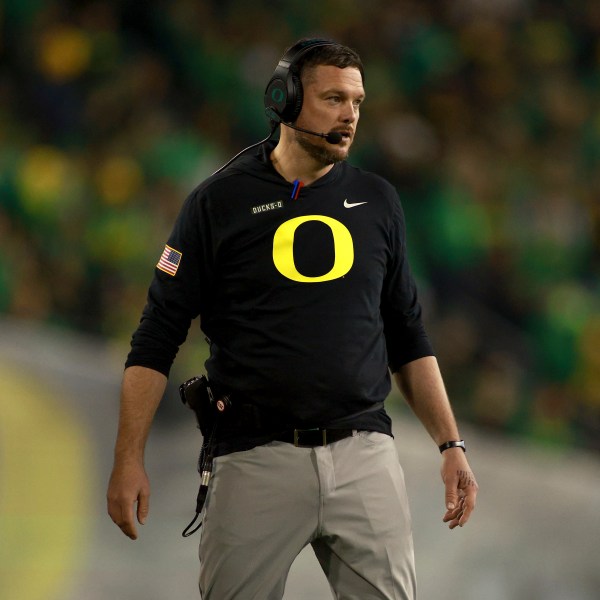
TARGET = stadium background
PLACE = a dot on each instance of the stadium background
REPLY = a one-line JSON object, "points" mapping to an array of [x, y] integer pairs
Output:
{"points": [[485, 114]]}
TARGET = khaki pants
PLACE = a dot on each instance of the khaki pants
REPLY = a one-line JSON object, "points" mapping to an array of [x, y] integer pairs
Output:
{"points": [[347, 499]]}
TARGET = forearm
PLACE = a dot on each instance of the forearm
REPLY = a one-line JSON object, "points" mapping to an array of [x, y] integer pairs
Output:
{"points": [[141, 392], [421, 384], [420, 381]]}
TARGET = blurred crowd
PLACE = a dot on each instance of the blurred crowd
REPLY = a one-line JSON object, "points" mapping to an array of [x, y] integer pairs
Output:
{"points": [[485, 114]]}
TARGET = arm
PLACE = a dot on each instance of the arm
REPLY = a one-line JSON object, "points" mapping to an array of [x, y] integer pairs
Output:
{"points": [[141, 392], [174, 299], [421, 384]]}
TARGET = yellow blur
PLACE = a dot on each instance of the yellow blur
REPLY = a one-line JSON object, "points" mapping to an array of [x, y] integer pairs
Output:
{"points": [[45, 466]]}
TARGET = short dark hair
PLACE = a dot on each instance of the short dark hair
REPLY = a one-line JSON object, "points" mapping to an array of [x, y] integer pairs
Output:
{"points": [[336, 55]]}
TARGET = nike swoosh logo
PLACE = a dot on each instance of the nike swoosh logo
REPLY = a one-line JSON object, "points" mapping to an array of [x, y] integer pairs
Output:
{"points": [[352, 204]]}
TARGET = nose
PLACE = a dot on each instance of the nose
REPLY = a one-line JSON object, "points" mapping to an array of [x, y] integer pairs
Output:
{"points": [[349, 113]]}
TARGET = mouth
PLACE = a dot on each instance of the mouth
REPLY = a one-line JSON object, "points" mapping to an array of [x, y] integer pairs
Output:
{"points": [[346, 135]]}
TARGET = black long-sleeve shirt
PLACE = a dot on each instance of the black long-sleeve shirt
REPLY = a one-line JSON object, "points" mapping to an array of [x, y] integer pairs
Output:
{"points": [[306, 301]]}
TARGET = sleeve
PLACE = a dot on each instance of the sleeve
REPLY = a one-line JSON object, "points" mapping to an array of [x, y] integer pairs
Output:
{"points": [[405, 335], [177, 293]]}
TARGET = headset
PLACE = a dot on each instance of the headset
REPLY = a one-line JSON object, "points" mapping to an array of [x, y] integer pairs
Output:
{"points": [[283, 94]]}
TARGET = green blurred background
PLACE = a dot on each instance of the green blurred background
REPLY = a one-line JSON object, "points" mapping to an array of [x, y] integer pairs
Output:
{"points": [[485, 114]]}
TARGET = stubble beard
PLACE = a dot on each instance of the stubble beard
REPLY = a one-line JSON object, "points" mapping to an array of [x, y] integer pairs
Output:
{"points": [[320, 153]]}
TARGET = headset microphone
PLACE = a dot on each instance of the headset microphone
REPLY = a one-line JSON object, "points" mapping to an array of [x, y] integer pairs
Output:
{"points": [[333, 137]]}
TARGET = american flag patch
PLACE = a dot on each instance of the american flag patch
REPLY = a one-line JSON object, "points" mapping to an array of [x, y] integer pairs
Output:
{"points": [[169, 261]]}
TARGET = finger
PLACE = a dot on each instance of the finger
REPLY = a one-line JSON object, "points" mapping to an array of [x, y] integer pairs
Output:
{"points": [[127, 524], [143, 507], [464, 517], [460, 516], [122, 515], [451, 496], [455, 520], [455, 512], [456, 509], [469, 505]]}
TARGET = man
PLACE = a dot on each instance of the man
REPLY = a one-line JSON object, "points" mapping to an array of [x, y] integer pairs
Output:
{"points": [[296, 263]]}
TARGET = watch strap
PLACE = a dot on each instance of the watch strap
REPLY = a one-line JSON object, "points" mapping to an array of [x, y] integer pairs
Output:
{"points": [[453, 444]]}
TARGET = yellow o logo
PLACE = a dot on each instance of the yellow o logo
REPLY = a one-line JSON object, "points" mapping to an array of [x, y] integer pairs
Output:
{"points": [[283, 249]]}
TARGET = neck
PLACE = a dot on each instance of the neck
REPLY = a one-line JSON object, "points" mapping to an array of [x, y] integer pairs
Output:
{"points": [[293, 162]]}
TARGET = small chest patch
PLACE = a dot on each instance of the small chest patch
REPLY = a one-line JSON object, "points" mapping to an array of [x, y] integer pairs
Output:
{"points": [[266, 207]]}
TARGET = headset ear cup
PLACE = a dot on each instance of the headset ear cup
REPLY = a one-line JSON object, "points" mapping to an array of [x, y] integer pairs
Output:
{"points": [[276, 95]]}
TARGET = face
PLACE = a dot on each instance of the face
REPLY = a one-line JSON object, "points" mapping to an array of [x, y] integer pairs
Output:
{"points": [[332, 99]]}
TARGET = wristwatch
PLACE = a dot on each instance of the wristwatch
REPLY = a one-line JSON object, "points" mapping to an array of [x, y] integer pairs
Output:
{"points": [[459, 444]]}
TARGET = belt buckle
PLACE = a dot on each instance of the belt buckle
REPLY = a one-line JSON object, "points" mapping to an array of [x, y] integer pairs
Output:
{"points": [[298, 433]]}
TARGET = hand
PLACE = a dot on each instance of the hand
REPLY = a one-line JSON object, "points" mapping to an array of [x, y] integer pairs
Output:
{"points": [[461, 487], [128, 484]]}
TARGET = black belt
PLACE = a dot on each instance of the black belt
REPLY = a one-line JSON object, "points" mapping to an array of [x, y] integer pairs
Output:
{"points": [[309, 438]]}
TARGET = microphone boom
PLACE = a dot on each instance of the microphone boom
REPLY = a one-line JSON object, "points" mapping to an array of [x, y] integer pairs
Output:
{"points": [[333, 137]]}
